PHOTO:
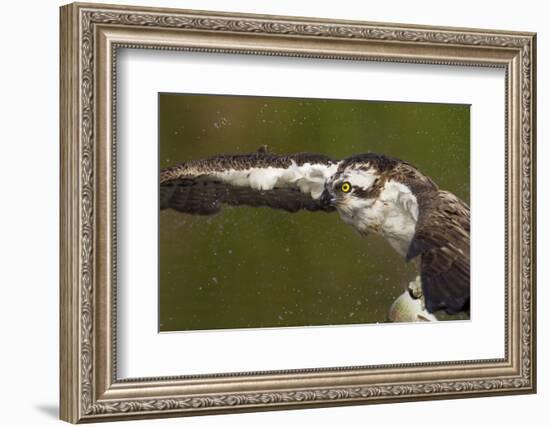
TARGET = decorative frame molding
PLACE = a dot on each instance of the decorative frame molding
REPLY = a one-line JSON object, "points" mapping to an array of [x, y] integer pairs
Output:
{"points": [[90, 36]]}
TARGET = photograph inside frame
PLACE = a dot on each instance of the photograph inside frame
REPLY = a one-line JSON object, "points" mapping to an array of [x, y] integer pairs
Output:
{"points": [[293, 212]]}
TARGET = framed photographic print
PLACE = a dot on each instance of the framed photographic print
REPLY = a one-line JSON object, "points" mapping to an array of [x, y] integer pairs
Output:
{"points": [[263, 212]]}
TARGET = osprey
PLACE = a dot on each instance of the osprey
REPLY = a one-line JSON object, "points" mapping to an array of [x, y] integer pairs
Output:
{"points": [[371, 192]]}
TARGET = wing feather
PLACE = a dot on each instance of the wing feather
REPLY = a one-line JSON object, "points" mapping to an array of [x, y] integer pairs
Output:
{"points": [[288, 182], [442, 240]]}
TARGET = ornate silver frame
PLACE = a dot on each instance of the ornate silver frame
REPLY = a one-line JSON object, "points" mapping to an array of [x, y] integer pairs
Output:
{"points": [[90, 36]]}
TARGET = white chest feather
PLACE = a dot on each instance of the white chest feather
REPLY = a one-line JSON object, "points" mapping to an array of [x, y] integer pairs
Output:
{"points": [[393, 215]]}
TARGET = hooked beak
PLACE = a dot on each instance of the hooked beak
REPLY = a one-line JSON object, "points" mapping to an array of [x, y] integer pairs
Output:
{"points": [[326, 198]]}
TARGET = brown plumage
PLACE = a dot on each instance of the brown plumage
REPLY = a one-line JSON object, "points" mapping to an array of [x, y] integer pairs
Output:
{"points": [[442, 241], [258, 159], [194, 188]]}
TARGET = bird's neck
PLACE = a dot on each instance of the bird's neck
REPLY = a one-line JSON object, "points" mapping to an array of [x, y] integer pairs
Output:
{"points": [[393, 215]]}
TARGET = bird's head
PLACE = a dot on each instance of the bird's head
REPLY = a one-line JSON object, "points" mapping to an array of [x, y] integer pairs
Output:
{"points": [[352, 187]]}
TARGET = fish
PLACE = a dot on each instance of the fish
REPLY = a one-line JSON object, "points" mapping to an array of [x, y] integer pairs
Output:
{"points": [[408, 309]]}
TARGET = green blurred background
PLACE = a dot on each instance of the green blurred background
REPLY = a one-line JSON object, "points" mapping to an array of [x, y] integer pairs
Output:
{"points": [[257, 267]]}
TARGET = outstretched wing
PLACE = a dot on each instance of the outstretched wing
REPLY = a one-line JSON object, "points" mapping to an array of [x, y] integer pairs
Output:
{"points": [[442, 240], [288, 182]]}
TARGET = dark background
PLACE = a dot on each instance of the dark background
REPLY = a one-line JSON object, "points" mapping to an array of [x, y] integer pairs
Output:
{"points": [[259, 267]]}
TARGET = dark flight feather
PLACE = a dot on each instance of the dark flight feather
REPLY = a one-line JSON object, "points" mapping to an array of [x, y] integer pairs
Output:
{"points": [[194, 188], [442, 241]]}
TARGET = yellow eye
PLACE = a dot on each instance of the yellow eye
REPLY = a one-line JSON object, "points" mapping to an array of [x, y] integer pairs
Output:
{"points": [[346, 187]]}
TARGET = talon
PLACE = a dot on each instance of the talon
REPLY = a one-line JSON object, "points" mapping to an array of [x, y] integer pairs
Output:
{"points": [[415, 291], [415, 288]]}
